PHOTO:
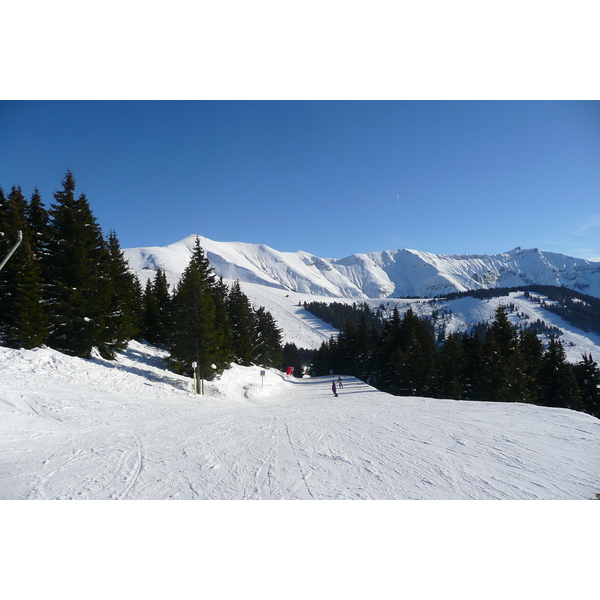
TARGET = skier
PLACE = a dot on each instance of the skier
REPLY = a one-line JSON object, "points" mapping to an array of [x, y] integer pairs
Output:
{"points": [[333, 389], [340, 385]]}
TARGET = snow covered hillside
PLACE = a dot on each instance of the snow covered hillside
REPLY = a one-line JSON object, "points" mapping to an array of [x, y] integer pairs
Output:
{"points": [[77, 429], [306, 331], [399, 273], [458, 315]]}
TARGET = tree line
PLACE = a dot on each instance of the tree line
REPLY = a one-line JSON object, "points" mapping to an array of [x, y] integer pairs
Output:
{"points": [[495, 362], [69, 287], [337, 314]]}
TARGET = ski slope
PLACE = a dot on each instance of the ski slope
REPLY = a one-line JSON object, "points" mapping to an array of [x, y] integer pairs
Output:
{"points": [[98, 430]]}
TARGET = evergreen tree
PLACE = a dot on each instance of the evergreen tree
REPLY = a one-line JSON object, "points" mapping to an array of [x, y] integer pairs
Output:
{"points": [[501, 375], [23, 323], [267, 335], [242, 325], [163, 299], [291, 358], [37, 221], [78, 294], [474, 366], [587, 374], [558, 386], [156, 310], [322, 358], [224, 340], [502, 333], [150, 326], [532, 352], [193, 333], [346, 361], [387, 360], [124, 315], [451, 368], [365, 344], [418, 351]]}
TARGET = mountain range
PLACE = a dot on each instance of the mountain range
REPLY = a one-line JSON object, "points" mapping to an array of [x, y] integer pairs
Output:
{"points": [[391, 273]]}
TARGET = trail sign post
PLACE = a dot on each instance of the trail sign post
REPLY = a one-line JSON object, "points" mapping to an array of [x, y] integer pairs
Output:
{"points": [[262, 376], [195, 366]]}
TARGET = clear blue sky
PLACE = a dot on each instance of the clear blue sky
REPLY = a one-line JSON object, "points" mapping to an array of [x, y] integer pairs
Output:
{"points": [[329, 177]]}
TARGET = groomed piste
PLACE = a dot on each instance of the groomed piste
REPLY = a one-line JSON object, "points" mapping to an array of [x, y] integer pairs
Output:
{"points": [[129, 429]]}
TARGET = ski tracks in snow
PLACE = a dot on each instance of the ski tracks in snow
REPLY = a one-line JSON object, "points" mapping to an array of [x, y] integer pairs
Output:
{"points": [[92, 433]]}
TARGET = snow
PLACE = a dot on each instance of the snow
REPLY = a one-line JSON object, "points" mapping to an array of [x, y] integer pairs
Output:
{"points": [[99, 430], [77, 429], [398, 273], [128, 429], [283, 281]]}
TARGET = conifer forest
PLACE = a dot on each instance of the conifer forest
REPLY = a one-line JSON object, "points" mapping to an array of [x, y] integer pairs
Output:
{"points": [[495, 362], [67, 286]]}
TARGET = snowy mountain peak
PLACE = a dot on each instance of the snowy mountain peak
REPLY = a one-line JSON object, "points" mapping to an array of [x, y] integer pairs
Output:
{"points": [[399, 273]]}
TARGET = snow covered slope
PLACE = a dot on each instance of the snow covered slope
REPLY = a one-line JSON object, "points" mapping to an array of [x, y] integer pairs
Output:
{"points": [[282, 282], [92, 429], [399, 273], [306, 331], [460, 314]]}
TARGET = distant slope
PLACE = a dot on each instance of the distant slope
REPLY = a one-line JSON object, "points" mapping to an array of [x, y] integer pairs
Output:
{"points": [[398, 273]]}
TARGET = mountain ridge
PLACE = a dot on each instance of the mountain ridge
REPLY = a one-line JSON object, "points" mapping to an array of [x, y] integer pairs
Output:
{"points": [[389, 273]]}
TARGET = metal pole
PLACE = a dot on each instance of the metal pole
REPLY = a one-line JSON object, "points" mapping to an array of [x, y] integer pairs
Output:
{"points": [[12, 250]]}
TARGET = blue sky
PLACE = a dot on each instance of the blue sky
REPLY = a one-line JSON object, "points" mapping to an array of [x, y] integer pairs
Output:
{"points": [[329, 177]]}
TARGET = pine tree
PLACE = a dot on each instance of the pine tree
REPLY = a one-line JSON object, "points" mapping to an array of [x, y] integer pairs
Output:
{"points": [[502, 333], [291, 358], [193, 335], [587, 374], [267, 335], [156, 310], [242, 325], [557, 379], [123, 317], [150, 326], [474, 365], [78, 294], [37, 221], [164, 301], [224, 339], [346, 361], [2, 204], [501, 375], [418, 351], [451, 368], [387, 360], [532, 352], [322, 361], [23, 323]]}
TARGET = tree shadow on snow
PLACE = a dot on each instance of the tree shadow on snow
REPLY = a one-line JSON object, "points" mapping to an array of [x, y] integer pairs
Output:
{"points": [[152, 361]]}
